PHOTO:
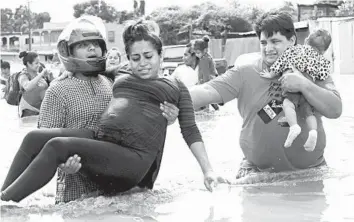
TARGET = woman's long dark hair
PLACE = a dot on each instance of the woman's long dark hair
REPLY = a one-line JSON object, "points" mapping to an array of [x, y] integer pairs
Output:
{"points": [[28, 57]]}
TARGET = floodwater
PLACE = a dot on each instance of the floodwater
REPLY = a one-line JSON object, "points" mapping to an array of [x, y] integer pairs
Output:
{"points": [[325, 194]]}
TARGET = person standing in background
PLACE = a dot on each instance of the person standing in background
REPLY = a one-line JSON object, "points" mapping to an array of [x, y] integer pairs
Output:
{"points": [[188, 72], [5, 74], [206, 67], [34, 82]]}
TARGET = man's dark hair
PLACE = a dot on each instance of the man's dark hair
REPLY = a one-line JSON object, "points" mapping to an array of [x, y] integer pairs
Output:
{"points": [[189, 46], [275, 21], [192, 52]]}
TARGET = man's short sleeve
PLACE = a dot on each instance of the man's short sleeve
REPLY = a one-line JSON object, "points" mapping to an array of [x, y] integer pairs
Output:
{"points": [[228, 85], [52, 112]]}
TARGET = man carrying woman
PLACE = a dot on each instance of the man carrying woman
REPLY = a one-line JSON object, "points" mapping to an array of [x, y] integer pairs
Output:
{"points": [[77, 102], [126, 149]]}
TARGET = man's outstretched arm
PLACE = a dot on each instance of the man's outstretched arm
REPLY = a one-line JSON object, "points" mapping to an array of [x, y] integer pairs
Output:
{"points": [[203, 95]]}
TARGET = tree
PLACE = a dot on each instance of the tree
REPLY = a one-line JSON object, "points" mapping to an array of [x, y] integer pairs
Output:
{"points": [[206, 17], [251, 13], [170, 19], [125, 16], [22, 20], [289, 7], [346, 9], [214, 21], [105, 12], [40, 19], [7, 20]]}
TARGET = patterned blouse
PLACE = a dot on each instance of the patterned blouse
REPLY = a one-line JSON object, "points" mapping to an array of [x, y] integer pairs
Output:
{"points": [[77, 104]]}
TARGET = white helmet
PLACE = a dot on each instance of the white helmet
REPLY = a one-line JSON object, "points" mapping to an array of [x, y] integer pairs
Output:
{"points": [[83, 29]]}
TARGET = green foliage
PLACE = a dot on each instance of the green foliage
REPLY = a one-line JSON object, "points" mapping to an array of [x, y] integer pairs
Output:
{"points": [[22, 20], [204, 18], [251, 13], [208, 18], [41, 18], [125, 16], [289, 7], [7, 20], [105, 12], [170, 20], [346, 9], [214, 21]]}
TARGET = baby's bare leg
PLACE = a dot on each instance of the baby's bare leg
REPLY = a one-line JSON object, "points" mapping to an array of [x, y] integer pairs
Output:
{"points": [[290, 114], [311, 122]]}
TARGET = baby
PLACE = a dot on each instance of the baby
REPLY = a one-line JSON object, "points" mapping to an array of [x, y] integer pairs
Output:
{"points": [[307, 59]]}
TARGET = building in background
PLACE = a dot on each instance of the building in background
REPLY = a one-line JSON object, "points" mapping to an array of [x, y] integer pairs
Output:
{"points": [[10, 42], [320, 9], [44, 40]]}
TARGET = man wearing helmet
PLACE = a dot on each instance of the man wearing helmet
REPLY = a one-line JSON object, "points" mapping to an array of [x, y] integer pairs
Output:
{"points": [[78, 101], [73, 43]]}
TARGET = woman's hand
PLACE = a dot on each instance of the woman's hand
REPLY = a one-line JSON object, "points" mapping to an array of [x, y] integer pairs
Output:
{"points": [[72, 165], [65, 75], [50, 76], [211, 180], [43, 73], [169, 111]]}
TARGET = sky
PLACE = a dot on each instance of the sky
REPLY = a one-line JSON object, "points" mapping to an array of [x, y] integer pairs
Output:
{"points": [[62, 10]]}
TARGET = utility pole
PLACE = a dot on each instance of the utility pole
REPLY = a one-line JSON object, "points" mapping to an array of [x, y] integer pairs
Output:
{"points": [[29, 27], [190, 30], [142, 7], [99, 6]]}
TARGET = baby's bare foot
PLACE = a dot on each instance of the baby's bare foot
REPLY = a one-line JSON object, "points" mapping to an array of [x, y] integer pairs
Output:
{"points": [[311, 141], [294, 131]]}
